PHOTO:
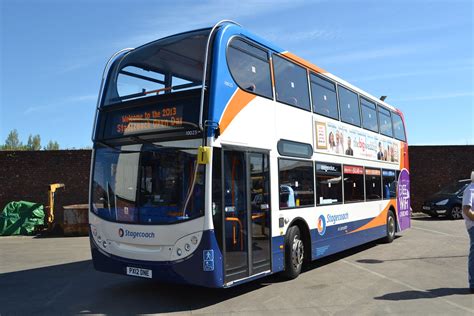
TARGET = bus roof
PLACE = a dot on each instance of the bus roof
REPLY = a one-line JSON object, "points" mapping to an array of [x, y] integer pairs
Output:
{"points": [[270, 45], [312, 67]]}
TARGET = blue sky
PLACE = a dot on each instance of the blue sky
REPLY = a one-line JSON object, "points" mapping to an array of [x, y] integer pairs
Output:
{"points": [[418, 53]]}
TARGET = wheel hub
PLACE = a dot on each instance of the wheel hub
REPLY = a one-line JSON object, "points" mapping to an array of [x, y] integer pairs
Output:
{"points": [[297, 252]]}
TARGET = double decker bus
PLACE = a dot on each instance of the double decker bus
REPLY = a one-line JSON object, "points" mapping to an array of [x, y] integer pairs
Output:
{"points": [[220, 158]]}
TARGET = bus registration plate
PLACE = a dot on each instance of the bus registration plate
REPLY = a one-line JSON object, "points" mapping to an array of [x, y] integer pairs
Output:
{"points": [[142, 273]]}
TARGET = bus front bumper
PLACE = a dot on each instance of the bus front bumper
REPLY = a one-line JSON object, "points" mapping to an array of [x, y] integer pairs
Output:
{"points": [[190, 270]]}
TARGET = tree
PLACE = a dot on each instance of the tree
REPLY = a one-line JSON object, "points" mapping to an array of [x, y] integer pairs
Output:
{"points": [[52, 145], [34, 142], [13, 142]]}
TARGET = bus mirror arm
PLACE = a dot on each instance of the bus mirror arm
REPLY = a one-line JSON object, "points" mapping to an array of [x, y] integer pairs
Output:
{"points": [[215, 128]]}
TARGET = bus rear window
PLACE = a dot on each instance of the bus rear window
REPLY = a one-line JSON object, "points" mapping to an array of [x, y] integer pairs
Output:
{"points": [[398, 127]]}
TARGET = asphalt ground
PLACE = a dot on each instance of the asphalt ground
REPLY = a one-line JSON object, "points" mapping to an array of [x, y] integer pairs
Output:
{"points": [[424, 271]]}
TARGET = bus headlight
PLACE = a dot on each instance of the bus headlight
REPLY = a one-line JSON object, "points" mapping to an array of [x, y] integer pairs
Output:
{"points": [[186, 245], [94, 231]]}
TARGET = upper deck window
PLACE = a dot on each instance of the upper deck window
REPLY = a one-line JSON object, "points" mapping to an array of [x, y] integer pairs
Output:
{"points": [[369, 115], [385, 122], [291, 83], [165, 66], [250, 67], [324, 97], [349, 105], [398, 127]]}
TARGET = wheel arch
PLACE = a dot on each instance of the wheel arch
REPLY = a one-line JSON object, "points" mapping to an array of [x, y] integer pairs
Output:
{"points": [[395, 216], [305, 235]]}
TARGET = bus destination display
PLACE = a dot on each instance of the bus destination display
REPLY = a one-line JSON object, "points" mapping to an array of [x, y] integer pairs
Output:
{"points": [[145, 121], [154, 117]]}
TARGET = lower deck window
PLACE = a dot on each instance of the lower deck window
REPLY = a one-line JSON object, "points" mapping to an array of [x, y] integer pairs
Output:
{"points": [[373, 184], [296, 183], [353, 184], [328, 184], [389, 184]]}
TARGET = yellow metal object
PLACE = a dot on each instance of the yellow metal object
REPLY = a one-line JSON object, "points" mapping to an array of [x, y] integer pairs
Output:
{"points": [[51, 192], [204, 155]]}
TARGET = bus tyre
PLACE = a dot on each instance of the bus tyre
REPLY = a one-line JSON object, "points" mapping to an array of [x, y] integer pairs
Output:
{"points": [[391, 227], [294, 253]]}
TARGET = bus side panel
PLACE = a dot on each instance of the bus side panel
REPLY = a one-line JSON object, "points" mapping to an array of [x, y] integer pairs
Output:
{"points": [[194, 270], [343, 236], [403, 201], [403, 191]]}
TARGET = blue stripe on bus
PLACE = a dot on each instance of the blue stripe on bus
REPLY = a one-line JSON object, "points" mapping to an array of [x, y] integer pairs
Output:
{"points": [[188, 271], [335, 238], [278, 253]]}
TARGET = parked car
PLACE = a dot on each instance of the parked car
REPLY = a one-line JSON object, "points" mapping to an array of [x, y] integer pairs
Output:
{"points": [[448, 201]]}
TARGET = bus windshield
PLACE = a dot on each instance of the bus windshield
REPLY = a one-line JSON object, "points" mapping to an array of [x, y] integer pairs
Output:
{"points": [[148, 183], [165, 66]]}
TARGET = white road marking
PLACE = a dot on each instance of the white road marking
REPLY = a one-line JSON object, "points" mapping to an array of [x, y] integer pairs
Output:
{"points": [[406, 285]]}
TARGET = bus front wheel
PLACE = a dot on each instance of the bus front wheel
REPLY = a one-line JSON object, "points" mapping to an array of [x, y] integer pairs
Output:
{"points": [[294, 253]]}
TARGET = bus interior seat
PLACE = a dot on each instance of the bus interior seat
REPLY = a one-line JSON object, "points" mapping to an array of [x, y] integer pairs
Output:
{"points": [[250, 86], [293, 100]]}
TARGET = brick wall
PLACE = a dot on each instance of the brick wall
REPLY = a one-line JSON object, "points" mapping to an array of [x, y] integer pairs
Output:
{"points": [[25, 175], [433, 167]]}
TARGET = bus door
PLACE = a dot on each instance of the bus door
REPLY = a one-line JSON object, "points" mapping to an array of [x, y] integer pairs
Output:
{"points": [[246, 216]]}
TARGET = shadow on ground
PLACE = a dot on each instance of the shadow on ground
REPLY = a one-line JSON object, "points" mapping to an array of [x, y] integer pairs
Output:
{"points": [[414, 295], [76, 288]]}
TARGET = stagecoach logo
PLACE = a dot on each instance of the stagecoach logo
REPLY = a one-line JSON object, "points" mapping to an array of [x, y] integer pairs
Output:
{"points": [[321, 225], [132, 234], [327, 168]]}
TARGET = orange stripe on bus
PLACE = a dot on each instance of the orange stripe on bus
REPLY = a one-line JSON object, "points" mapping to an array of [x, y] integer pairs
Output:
{"points": [[236, 104], [377, 221], [304, 62]]}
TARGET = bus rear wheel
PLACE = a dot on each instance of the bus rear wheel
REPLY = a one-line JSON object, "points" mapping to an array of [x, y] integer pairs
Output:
{"points": [[391, 227], [294, 253]]}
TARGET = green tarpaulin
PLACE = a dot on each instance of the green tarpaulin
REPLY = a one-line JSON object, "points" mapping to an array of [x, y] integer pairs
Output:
{"points": [[20, 218]]}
